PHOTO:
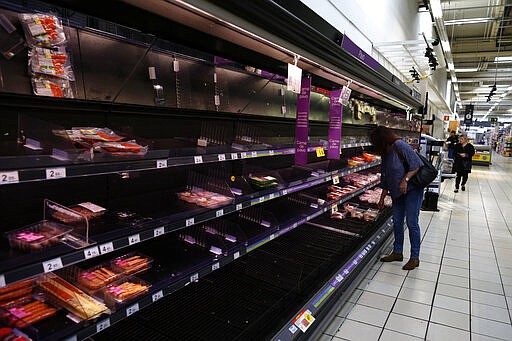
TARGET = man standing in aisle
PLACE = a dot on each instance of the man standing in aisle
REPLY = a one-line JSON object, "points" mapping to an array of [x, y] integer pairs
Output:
{"points": [[463, 152], [451, 141]]}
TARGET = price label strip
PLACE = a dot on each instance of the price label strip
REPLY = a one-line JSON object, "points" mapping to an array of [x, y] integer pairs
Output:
{"points": [[91, 252], [157, 295], [102, 325], [161, 163], [106, 248], [52, 265], [9, 177], [55, 173], [132, 309], [134, 239], [158, 231]]}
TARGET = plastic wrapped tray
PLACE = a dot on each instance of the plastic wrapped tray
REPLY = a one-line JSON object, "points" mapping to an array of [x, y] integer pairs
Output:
{"points": [[16, 293], [37, 236], [86, 209], [357, 213], [27, 313], [371, 214], [132, 263], [349, 206], [124, 290], [98, 277]]}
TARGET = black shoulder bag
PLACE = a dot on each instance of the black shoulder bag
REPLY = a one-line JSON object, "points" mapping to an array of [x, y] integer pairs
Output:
{"points": [[425, 175]]}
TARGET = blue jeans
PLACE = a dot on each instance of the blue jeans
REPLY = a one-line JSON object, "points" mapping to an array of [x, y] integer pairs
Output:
{"points": [[407, 206]]}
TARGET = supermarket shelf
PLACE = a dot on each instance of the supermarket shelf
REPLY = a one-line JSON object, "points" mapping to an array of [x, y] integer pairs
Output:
{"points": [[25, 169], [62, 256], [172, 285], [296, 327]]}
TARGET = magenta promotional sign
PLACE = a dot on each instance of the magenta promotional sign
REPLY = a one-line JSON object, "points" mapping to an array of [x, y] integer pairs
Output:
{"points": [[335, 112], [302, 123], [349, 46]]}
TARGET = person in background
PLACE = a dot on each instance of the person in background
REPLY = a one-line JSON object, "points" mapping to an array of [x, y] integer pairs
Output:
{"points": [[451, 141], [399, 164], [464, 152]]}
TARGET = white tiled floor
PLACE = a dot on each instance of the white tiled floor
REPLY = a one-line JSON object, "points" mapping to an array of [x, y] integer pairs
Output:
{"points": [[462, 289]]}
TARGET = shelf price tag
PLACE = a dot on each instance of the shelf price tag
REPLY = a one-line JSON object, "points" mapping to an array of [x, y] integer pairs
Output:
{"points": [[254, 154], [158, 231], [238, 207], [55, 173], [102, 325], [335, 179], [320, 152], [157, 295], [198, 159], [91, 252], [189, 222], [272, 236], [134, 239], [9, 177], [261, 199], [334, 208], [194, 277], [271, 196], [222, 157], [52, 265], [243, 155], [271, 152], [215, 266], [132, 309], [236, 255], [219, 213], [161, 163], [2, 281], [234, 156], [106, 248]]}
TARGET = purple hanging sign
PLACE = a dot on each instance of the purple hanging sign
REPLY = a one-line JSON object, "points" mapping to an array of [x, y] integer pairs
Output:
{"points": [[335, 113], [302, 123], [349, 46]]}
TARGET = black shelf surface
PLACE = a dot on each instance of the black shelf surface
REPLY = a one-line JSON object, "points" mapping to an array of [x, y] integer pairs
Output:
{"points": [[32, 167], [180, 264], [16, 266]]}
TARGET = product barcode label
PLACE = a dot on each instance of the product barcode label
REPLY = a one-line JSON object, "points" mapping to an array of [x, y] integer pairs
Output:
{"points": [[134, 239], [106, 248], [215, 266], [194, 277], [254, 154], [234, 156], [243, 155], [9, 177], [198, 159], [55, 173], [158, 231], [52, 265], [219, 213], [161, 163], [2, 281], [222, 157], [189, 222], [271, 152], [132, 309], [91, 252], [236, 255], [238, 207], [102, 325], [157, 295]]}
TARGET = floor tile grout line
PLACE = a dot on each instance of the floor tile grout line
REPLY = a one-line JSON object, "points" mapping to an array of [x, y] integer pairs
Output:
{"points": [[494, 250]]}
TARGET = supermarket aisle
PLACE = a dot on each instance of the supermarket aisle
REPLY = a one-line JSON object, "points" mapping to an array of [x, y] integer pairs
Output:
{"points": [[463, 287]]}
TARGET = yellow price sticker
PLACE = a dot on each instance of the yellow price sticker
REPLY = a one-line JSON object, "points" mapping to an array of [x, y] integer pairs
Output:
{"points": [[320, 152], [232, 178]]}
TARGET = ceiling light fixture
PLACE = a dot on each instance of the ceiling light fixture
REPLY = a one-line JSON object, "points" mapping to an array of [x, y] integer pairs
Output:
{"points": [[435, 7]]}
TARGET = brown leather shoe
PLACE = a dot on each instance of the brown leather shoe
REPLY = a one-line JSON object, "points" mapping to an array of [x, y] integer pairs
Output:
{"points": [[411, 264], [393, 257]]}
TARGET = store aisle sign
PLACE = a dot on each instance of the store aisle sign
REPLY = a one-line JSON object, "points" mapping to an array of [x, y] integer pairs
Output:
{"points": [[349, 46], [294, 78], [302, 123], [335, 118]]}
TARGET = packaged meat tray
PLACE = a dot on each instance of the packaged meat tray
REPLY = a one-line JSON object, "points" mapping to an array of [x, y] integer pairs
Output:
{"points": [[205, 198], [263, 182], [357, 213], [43, 85], [16, 293], [128, 148], [349, 206], [86, 210], [125, 290], [37, 236], [52, 62], [371, 214], [42, 30], [132, 263], [27, 313], [98, 277], [77, 302]]}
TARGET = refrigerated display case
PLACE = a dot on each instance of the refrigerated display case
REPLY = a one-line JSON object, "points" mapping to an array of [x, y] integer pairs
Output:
{"points": [[214, 210]]}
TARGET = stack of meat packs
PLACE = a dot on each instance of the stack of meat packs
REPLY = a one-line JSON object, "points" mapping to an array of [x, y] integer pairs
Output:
{"points": [[49, 64]]}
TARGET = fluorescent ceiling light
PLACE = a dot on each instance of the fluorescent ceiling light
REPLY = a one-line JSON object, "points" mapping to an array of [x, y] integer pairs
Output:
{"points": [[472, 69], [435, 7], [468, 21], [445, 45], [451, 66], [502, 59]]}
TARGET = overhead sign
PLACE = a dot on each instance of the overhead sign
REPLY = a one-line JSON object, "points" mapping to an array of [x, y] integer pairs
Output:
{"points": [[468, 114]]}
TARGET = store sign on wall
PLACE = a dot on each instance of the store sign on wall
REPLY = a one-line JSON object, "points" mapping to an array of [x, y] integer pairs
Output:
{"points": [[302, 123], [335, 119]]}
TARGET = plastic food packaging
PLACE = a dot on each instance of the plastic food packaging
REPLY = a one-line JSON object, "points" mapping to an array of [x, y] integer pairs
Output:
{"points": [[37, 236], [128, 148], [93, 134], [52, 62], [16, 293], [371, 214], [125, 290], [51, 86], [42, 30], [27, 313], [357, 213], [339, 215], [63, 293], [205, 198], [349, 206], [97, 277], [86, 210], [263, 182], [132, 263]]}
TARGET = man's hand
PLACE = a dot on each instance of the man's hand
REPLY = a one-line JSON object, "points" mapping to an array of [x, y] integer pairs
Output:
{"points": [[403, 186]]}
